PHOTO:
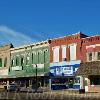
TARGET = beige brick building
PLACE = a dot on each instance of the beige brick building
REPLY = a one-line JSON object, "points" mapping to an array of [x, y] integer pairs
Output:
{"points": [[4, 63]]}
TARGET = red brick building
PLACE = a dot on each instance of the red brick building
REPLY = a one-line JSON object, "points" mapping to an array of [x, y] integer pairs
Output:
{"points": [[77, 51], [90, 67], [67, 40], [65, 57], [90, 44]]}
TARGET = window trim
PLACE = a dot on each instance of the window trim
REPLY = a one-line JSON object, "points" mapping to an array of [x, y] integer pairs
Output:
{"points": [[98, 56], [56, 47]]}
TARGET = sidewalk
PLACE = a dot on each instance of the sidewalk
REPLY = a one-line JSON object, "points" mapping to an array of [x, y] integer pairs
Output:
{"points": [[51, 95]]}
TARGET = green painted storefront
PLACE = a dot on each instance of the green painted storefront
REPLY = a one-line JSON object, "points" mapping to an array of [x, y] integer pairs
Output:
{"points": [[23, 63]]}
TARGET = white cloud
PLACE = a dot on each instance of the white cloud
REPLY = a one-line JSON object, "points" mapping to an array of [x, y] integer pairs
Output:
{"points": [[8, 35]]}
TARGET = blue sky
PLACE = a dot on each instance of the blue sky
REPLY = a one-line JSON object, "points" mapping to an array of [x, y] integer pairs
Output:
{"points": [[26, 21]]}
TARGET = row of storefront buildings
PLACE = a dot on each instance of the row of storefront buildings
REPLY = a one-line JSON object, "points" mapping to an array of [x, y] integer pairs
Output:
{"points": [[68, 62]]}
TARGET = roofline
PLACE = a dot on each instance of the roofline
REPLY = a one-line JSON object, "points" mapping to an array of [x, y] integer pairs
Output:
{"points": [[10, 44], [29, 45], [91, 36], [67, 35]]}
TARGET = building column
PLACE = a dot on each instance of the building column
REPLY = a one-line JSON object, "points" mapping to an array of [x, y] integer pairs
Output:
{"points": [[44, 81], [30, 83], [86, 84], [50, 84]]}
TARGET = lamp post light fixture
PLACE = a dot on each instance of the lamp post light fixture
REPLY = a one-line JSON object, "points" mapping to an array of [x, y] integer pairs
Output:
{"points": [[35, 66], [36, 78]]}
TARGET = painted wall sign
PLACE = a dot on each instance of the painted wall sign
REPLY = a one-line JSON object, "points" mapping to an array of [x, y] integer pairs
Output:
{"points": [[66, 69]]}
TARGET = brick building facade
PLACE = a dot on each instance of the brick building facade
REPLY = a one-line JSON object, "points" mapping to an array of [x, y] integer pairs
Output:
{"points": [[4, 64], [29, 60], [90, 63], [65, 58], [71, 62]]}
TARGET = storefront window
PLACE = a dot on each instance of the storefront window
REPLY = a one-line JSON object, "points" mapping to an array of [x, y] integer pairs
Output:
{"points": [[77, 80], [95, 80]]}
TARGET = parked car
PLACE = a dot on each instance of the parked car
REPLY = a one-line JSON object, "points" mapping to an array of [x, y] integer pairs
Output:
{"points": [[13, 87], [30, 90]]}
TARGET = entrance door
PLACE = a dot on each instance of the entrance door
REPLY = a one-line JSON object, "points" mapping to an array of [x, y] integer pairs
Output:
{"points": [[27, 83]]}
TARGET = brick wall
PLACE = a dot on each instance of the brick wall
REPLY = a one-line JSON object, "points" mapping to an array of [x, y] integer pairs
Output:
{"points": [[87, 42], [66, 41]]}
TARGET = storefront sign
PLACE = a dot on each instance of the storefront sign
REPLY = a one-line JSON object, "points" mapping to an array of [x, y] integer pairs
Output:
{"points": [[38, 65], [64, 69], [67, 70], [17, 68], [4, 72]]}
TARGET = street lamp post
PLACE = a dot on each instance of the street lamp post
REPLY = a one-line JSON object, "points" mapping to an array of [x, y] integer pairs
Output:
{"points": [[36, 78]]}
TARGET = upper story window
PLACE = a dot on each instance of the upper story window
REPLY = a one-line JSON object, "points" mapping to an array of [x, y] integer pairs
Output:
{"points": [[40, 57], [56, 54], [17, 61], [22, 61], [98, 55], [32, 57], [12, 62], [64, 53], [5, 62], [46, 56], [27, 58], [0, 62], [89, 56], [72, 52]]}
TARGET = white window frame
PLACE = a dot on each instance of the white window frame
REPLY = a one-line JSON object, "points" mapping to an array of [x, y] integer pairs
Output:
{"points": [[93, 56], [73, 53], [97, 55], [64, 51], [56, 56]]}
